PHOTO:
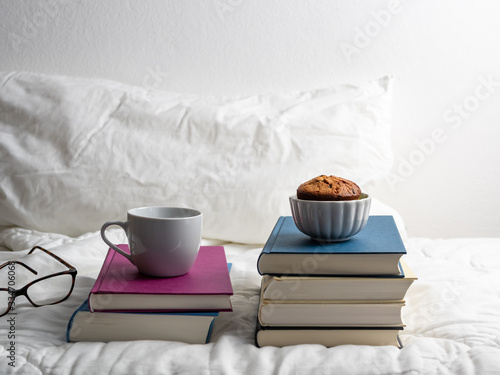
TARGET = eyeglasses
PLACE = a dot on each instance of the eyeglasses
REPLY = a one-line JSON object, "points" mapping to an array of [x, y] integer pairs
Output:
{"points": [[46, 290]]}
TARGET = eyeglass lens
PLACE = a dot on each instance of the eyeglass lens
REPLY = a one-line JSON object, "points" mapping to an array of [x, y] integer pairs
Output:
{"points": [[42, 292]]}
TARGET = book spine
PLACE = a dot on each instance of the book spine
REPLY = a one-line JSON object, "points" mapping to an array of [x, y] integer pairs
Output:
{"points": [[83, 307], [274, 235], [271, 240], [210, 329], [102, 274]]}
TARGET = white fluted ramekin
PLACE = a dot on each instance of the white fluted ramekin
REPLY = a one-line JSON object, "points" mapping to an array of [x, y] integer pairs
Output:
{"points": [[330, 220]]}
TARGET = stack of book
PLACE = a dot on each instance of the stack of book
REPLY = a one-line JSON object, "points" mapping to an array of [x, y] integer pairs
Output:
{"points": [[125, 305], [334, 293]]}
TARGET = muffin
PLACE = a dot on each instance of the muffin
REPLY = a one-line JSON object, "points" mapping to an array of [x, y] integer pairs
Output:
{"points": [[328, 188]]}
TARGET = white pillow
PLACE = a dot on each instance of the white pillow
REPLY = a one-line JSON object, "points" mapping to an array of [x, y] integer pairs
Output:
{"points": [[77, 152]]}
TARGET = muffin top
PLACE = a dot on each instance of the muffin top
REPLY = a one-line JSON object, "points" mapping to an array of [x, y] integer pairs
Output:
{"points": [[328, 188]]}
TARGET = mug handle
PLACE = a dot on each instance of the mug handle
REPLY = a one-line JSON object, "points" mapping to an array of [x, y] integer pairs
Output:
{"points": [[124, 226]]}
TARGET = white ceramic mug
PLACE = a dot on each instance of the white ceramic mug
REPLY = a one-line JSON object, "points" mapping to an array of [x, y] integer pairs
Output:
{"points": [[163, 241]]}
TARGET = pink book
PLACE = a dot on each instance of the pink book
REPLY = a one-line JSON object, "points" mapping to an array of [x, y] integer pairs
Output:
{"points": [[206, 287]]}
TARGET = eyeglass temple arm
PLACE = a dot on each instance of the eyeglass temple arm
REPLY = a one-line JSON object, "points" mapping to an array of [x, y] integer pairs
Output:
{"points": [[53, 255], [17, 262]]}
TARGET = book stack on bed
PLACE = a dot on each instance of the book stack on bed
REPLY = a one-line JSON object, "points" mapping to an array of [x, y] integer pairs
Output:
{"points": [[125, 305], [332, 293]]}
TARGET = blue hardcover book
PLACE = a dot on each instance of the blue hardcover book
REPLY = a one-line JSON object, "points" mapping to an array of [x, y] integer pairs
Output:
{"points": [[191, 328], [375, 250]]}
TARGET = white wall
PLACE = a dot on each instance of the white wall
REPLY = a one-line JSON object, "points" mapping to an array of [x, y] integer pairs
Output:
{"points": [[445, 56]]}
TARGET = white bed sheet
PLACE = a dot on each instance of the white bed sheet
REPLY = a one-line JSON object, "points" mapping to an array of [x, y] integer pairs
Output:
{"points": [[452, 317]]}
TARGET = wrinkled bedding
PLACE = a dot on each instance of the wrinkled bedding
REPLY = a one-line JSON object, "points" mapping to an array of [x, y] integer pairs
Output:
{"points": [[452, 319]]}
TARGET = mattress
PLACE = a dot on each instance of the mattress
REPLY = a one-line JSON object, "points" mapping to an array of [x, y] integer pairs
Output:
{"points": [[451, 316]]}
